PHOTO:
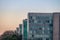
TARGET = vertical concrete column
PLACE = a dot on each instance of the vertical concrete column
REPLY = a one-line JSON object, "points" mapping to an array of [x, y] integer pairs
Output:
{"points": [[56, 26]]}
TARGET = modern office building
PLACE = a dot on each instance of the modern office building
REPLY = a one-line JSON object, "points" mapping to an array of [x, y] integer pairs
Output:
{"points": [[20, 27], [40, 26], [56, 26], [25, 29]]}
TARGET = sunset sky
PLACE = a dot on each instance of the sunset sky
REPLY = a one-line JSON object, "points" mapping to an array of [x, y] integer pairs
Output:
{"points": [[12, 12]]}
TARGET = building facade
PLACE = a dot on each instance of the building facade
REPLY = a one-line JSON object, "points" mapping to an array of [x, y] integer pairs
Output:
{"points": [[56, 26], [40, 26], [25, 29]]}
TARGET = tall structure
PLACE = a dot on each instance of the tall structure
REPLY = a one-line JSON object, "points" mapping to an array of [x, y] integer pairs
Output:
{"points": [[40, 26], [25, 29], [20, 26], [56, 26], [18, 30]]}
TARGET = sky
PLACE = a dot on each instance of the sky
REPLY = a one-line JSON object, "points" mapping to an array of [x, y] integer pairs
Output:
{"points": [[12, 12]]}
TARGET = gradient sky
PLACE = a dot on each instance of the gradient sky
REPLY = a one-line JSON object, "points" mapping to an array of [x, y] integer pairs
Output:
{"points": [[12, 12]]}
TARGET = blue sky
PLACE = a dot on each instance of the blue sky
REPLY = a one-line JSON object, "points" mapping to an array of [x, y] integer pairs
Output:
{"points": [[29, 4], [12, 12]]}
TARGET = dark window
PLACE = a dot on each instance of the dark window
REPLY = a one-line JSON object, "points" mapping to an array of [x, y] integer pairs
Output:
{"points": [[40, 28], [47, 38], [29, 39], [39, 21], [30, 17], [46, 31], [51, 31], [40, 38], [47, 21], [32, 35], [50, 24], [31, 21], [37, 17]]}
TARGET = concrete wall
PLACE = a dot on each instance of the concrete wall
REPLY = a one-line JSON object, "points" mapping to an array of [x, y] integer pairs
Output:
{"points": [[56, 26]]}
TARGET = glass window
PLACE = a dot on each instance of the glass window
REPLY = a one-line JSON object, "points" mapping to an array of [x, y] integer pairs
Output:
{"points": [[48, 32], [43, 28], [30, 32], [38, 32], [48, 28], [40, 28], [35, 21], [39, 21], [45, 31], [29, 39], [50, 21], [51, 31], [32, 35], [34, 18], [47, 21], [50, 24], [40, 38], [37, 17], [47, 17], [30, 17], [47, 38], [31, 21]]}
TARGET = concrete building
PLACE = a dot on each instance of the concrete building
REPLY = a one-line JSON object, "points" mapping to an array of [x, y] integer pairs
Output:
{"points": [[40, 26], [56, 26], [25, 29]]}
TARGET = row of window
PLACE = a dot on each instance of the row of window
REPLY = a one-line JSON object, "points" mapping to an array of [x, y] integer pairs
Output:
{"points": [[40, 21], [42, 32], [41, 38], [41, 27], [40, 17]]}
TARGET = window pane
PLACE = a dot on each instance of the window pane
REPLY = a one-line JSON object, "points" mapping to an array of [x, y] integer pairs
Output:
{"points": [[47, 38]]}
